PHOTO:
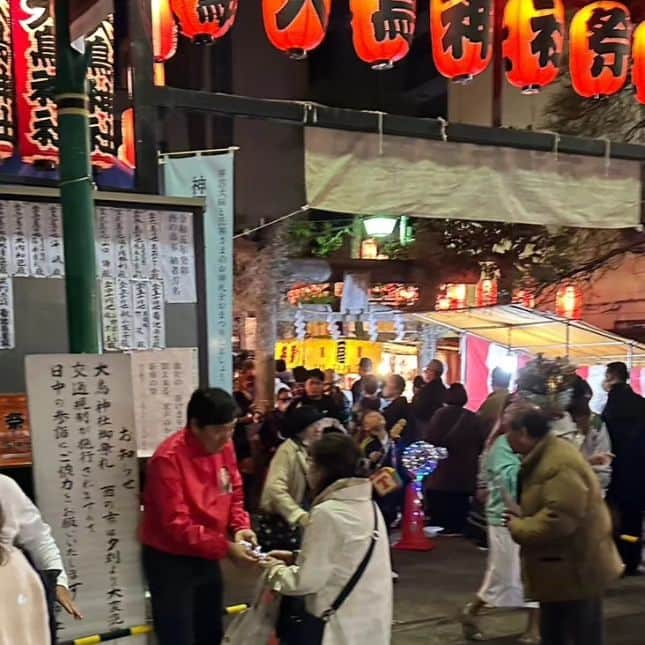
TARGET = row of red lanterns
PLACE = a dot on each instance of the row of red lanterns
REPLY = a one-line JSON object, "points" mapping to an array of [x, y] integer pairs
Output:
{"points": [[462, 36]]}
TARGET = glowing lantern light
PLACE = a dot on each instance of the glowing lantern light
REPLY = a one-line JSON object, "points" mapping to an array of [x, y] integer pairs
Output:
{"points": [[568, 302], [524, 297], [462, 37], [296, 26], [164, 31], [204, 20], [533, 42], [599, 49], [127, 150], [382, 32], [638, 68]]}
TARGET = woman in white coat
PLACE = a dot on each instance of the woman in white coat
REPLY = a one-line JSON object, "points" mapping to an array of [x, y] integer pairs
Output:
{"points": [[340, 540]]}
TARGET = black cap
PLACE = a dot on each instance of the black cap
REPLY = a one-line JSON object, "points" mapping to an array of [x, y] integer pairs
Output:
{"points": [[298, 420]]}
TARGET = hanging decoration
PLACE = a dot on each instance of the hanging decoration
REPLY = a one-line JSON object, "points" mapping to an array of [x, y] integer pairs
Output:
{"points": [[382, 30], [7, 121], [568, 302], [127, 150], [533, 42], [462, 37], [204, 21], [599, 48], [164, 31], [486, 292], [638, 67], [296, 26], [34, 49]]}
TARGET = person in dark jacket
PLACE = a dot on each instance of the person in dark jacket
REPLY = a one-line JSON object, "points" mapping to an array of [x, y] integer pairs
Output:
{"points": [[315, 397], [431, 397], [365, 368], [624, 416], [449, 489], [395, 407]]}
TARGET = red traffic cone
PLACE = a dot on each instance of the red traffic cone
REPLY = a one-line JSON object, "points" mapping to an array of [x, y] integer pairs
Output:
{"points": [[413, 537]]}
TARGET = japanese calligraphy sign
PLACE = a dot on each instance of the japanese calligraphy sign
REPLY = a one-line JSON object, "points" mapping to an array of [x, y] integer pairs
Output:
{"points": [[15, 439], [141, 313], [382, 30], [34, 49], [163, 383], [86, 480], [178, 257], [533, 42], [5, 240], [210, 176], [110, 314], [54, 241], [7, 329], [462, 37], [599, 49], [39, 265], [19, 227], [7, 121], [296, 26]]}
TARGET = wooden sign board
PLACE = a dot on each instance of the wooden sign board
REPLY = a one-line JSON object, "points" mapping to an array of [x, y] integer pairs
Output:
{"points": [[15, 431]]}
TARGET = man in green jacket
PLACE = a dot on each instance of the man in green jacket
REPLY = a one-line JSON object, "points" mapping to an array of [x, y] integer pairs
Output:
{"points": [[564, 532]]}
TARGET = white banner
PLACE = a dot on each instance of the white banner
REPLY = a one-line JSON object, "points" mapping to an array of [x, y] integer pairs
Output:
{"points": [[7, 327], [5, 246], [211, 177], [154, 245], [19, 225], [366, 174], [157, 315], [110, 314], [87, 483], [54, 241], [38, 262], [125, 314], [163, 383], [141, 313], [139, 245], [178, 257], [122, 231], [105, 242]]}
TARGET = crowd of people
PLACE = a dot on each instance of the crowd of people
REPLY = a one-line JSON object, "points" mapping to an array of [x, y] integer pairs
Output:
{"points": [[293, 492]]}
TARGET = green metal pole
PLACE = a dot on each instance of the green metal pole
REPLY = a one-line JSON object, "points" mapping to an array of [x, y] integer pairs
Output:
{"points": [[76, 190]]}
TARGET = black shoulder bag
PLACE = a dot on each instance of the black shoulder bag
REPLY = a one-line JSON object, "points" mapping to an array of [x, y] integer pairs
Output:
{"points": [[296, 626]]}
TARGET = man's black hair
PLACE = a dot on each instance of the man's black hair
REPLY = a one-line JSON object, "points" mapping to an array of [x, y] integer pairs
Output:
{"points": [[618, 370], [211, 407], [536, 423]]}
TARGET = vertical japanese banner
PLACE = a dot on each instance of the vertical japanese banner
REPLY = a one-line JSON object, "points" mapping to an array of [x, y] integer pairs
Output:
{"points": [[87, 482], [211, 177], [125, 314], [54, 241], [178, 257], [19, 233], [153, 235], [7, 121], [34, 50], [141, 313], [163, 382], [139, 244], [110, 315], [122, 230], [5, 240], [37, 216], [157, 315], [7, 329], [105, 242]]}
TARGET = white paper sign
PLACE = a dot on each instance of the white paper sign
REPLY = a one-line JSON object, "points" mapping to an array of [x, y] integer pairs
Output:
{"points": [[139, 244], [141, 312], [7, 327], [110, 314], [19, 226], [122, 232], [87, 483], [157, 315], [105, 243], [5, 246], [37, 215], [125, 314], [153, 235], [54, 241], [163, 382], [178, 257]]}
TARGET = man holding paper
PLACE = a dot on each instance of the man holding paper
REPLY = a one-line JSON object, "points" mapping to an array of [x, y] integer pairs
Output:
{"points": [[194, 517]]}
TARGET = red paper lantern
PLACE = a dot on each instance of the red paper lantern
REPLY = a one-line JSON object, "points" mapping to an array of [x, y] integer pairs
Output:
{"points": [[533, 42], [599, 49], [568, 302], [296, 26], [164, 31], [382, 31], [127, 149], [462, 37], [638, 68], [204, 20], [7, 119], [487, 292]]}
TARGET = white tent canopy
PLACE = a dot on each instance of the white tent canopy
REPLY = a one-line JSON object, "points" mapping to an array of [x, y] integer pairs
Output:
{"points": [[372, 174], [536, 332]]}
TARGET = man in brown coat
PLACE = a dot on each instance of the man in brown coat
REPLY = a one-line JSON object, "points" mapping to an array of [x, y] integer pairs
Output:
{"points": [[564, 531]]}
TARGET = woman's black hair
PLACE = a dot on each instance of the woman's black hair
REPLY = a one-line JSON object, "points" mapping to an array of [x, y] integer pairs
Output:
{"points": [[456, 395], [338, 457]]}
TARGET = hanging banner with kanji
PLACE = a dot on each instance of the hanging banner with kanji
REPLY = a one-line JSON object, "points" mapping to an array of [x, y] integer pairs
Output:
{"points": [[7, 121], [34, 46]]}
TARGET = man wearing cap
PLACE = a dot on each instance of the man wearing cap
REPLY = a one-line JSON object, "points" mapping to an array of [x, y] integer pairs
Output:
{"points": [[193, 517]]}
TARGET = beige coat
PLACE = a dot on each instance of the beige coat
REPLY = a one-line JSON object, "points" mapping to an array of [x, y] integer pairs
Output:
{"points": [[565, 533], [23, 608], [286, 483]]}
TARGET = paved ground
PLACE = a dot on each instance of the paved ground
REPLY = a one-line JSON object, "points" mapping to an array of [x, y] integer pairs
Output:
{"points": [[433, 586]]}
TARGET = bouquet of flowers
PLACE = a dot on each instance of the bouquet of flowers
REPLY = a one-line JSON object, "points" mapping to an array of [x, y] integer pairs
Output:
{"points": [[547, 383]]}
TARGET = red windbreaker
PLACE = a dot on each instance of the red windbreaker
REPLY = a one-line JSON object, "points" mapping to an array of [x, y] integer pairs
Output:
{"points": [[193, 501]]}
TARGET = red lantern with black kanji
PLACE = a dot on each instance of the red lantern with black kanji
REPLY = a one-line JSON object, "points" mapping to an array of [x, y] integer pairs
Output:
{"points": [[127, 150], [296, 26], [164, 31], [568, 302], [638, 67], [382, 30], [533, 43], [204, 20], [7, 118], [599, 48], [462, 37]]}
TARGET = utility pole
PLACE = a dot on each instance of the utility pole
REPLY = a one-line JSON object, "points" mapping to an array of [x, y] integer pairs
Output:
{"points": [[76, 189]]}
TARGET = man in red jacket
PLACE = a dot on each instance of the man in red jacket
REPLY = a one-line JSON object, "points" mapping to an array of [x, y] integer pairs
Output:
{"points": [[194, 516]]}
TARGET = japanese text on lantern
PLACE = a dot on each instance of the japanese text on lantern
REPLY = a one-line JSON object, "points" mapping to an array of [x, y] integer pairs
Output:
{"points": [[82, 421], [467, 21], [609, 40], [394, 18], [34, 48], [7, 130]]}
